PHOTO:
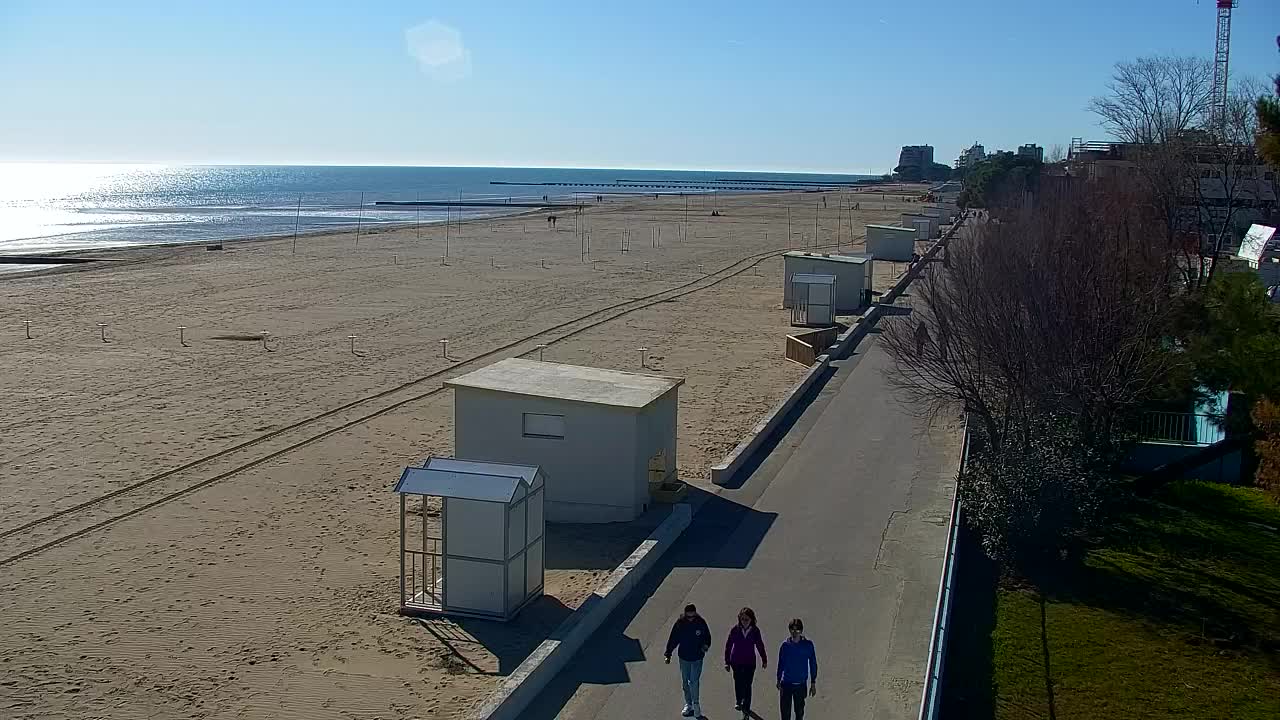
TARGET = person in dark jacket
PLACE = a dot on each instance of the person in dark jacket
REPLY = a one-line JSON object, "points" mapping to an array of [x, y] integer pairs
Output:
{"points": [[692, 637], [740, 657], [797, 671]]}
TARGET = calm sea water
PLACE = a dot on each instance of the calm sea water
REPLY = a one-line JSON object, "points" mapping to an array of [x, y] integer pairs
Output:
{"points": [[56, 207]]}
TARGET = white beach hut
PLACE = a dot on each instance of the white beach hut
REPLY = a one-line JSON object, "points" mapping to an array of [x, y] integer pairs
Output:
{"points": [[911, 220], [595, 433], [852, 272], [886, 242], [476, 546]]}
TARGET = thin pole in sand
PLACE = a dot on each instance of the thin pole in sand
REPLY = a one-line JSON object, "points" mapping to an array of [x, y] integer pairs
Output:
{"points": [[644, 356], [102, 327], [491, 262], [448, 217], [297, 218], [417, 217], [444, 349], [27, 326], [646, 267], [815, 222], [788, 226], [540, 349], [352, 338], [700, 272], [359, 219], [182, 335], [686, 216], [264, 335], [395, 259], [544, 263]]}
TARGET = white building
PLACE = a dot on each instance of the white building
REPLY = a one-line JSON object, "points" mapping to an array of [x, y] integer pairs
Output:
{"points": [[930, 231], [485, 557], [593, 432], [885, 242], [852, 274]]}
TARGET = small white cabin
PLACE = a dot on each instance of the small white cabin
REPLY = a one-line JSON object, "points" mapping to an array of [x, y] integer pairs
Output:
{"points": [[852, 274], [885, 242], [594, 432]]}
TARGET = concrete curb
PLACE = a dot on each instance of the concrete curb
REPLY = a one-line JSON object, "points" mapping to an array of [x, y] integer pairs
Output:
{"points": [[546, 661], [722, 471]]}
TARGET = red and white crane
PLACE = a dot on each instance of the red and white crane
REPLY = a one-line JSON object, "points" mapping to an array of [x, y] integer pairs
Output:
{"points": [[1218, 100]]}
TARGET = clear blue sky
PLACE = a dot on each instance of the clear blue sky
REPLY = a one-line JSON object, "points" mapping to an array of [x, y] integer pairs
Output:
{"points": [[824, 86]]}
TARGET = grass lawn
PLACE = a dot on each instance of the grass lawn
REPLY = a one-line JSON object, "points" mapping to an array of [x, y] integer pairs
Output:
{"points": [[1175, 614]]}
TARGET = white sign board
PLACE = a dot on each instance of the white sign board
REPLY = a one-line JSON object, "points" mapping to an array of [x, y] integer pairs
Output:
{"points": [[1255, 241]]}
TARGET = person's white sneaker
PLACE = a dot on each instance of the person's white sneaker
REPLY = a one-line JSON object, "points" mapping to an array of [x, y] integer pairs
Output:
{"points": [[687, 711]]}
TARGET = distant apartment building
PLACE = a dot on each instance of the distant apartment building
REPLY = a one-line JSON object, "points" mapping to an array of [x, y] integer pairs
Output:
{"points": [[971, 156], [1031, 150], [916, 156], [1244, 189]]}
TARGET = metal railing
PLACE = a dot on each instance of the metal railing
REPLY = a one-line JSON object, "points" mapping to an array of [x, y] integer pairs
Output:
{"points": [[1180, 428], [421, 586], [931, 696]]}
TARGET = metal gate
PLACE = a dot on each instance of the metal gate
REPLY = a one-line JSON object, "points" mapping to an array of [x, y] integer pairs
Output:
{"points": [[422, 567]]}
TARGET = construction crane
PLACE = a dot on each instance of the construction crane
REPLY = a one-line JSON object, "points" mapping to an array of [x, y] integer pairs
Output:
{"points": [[1218, 100]]}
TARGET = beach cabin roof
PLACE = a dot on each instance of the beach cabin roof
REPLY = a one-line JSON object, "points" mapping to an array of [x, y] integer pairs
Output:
{"points": [[894, 228], [568, 382], [467, 480], [814, 279], [852, 259]]}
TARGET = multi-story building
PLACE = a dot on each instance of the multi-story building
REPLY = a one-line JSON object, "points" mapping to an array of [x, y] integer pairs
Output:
{"points": [[1031, 150], [916, 156], [1220, 182], [971, 156]]}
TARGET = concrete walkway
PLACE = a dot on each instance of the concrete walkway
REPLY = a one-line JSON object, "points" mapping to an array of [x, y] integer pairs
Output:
{"points": [[843, 524]]}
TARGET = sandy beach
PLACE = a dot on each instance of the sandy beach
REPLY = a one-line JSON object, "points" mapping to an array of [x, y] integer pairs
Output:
{"points": [[206, 529]]}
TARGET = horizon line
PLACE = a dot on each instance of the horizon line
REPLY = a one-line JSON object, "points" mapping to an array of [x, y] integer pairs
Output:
{"points": [[471, 167]]}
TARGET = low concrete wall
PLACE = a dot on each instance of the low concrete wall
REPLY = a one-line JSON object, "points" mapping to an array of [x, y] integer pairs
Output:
{"points": [[720, 473], [524, 684], [1146, 457]]}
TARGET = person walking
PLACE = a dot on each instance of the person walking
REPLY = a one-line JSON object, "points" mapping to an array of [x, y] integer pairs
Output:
{"points": [[797, 671], [740, 657], [691, 636]]}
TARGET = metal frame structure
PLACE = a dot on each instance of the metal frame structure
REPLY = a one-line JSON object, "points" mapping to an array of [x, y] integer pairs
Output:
{"points": [[431, 595], [1221, 56]]}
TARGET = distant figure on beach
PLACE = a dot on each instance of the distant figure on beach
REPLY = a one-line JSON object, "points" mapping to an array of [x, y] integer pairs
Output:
{"points": [[740, 658], [824, 202], [551, 220], [691, 636], [797, 671]]}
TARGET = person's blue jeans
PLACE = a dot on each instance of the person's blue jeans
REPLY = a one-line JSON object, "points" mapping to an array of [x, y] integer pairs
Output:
{"points": [[690, 680]]}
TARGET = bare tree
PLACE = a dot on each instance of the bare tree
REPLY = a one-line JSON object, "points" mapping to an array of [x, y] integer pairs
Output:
{"points": [[1060, 309], [1049, 328], [1154, 99]]}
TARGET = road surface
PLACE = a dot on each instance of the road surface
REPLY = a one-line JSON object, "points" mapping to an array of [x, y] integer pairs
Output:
{"points": [[842, 524]]}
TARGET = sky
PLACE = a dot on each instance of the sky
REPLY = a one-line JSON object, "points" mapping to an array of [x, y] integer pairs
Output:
{"points": [[743, 85]]}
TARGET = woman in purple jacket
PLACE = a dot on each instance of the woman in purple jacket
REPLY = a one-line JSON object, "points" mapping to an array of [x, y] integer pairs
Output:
{"points": [[740, 657]]}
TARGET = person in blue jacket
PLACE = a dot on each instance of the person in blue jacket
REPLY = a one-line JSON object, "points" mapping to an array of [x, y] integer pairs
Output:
{"points": [[797, 671], [691, 636]]}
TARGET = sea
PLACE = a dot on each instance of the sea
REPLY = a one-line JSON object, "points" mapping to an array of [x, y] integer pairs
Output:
{"points": [[50, 208]]}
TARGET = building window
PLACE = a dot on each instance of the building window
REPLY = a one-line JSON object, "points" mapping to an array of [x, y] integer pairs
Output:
{"points": [[537, 425]]}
